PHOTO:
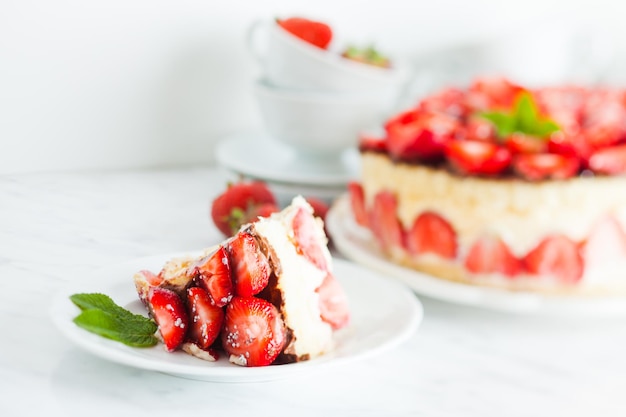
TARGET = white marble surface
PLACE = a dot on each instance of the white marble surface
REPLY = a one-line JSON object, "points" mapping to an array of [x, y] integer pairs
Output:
{"points": [[57, 228]]}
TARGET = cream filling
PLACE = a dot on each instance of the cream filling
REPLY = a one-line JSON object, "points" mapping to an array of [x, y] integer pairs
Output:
{"points": [[298, 282]]}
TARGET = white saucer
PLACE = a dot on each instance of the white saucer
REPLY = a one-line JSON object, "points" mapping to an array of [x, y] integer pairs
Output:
{"points": [[257, 155]]}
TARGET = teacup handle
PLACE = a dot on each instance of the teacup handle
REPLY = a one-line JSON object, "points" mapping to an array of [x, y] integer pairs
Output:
{"points": [[254, 43]]}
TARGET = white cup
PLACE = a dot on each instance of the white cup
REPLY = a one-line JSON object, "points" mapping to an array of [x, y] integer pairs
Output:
{"points": [[289, 62]]}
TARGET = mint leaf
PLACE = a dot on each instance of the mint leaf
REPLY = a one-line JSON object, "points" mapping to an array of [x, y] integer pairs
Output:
{"points": [[102, 316], [131, 333], [504, 123]]}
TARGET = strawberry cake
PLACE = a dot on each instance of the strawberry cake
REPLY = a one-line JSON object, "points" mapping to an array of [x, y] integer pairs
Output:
{"points": [[501, 185], [267, 295]]}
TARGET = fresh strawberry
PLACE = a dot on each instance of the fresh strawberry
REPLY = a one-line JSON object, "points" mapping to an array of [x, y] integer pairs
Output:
{"points": [[492, 93], [263, 210], [306, 239], [357, 202], [606, 243], [213, 274], [450, 101], [539, 166], [431, 233], [610, 161], [250, 267], [334, 308], [405, 117], [369, 142], [477, 128], [205, 319], [237, 205], [557, 256], [254, 333], [423, 138], [384, 221], [523, 143], [489, 254], [571, 145], [477, 157], [320, 208], [315, 33], [169, 312]]}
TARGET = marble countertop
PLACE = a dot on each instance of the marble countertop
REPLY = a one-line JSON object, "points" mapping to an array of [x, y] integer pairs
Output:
{"points": [[56, 229]]}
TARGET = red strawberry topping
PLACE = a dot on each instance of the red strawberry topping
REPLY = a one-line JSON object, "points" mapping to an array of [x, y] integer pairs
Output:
{"points": [[422, 137], [489, 254], [606, 243], [238, 205], [477, 157], [205, 318], [250, 267], [306, 239], [213, 275], [541, 166], [523, 143], [357, 202], [368, 142], [169, 312], [315, 33], [611, 161], [431, 233], [384, 221], [334, 308], [556, 256], [254, 333]]}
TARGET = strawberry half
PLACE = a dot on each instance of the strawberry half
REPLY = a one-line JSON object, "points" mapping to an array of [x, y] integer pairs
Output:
{"points": [[250, 267], [523, 143], [254, 333], [306, 239], [315, 33], [606, 243], [357, 202], [489, 254], [205, 318], [384, 221], [422, 138], [334, 308], [170, 314], [556, 256], [540, 166], [431, 233], [213, 274], [368, 142], [477, 157], [610, 161], [238, 205]]}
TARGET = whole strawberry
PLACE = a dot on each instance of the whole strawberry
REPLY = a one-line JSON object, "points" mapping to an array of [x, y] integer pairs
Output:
{"points": [[242, 203], [313, 32]]}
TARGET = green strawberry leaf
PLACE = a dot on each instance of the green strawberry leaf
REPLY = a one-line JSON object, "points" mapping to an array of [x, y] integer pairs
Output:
{"points": [[100, 315]]}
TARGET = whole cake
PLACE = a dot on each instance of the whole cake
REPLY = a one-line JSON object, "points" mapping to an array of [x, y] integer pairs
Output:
{"points": [[501, 185], [266, 295]]}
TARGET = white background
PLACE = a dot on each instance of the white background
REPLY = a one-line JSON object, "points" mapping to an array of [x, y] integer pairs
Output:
{"points": [[153, 83]]}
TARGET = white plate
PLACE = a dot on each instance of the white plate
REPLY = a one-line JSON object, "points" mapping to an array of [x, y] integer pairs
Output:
{"points": [[396, 317], [357, 244], [258, 156]]}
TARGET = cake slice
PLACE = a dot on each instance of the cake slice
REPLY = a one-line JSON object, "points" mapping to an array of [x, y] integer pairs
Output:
{"points": [[274, 283]]}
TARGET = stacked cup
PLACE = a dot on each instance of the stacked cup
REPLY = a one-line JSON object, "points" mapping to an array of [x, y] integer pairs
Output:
{"points": [[316, 101]]}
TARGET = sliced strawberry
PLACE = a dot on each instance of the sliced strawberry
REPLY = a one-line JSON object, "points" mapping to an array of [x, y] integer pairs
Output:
{"points": [[489, 254], [384, 221], [540, 166], [450, 101], [169, 312], [555, 256], [571, 145], [368, 142], [423, 138], [493, 93], [250, 267], [606, 243], [610, 161], [402, 118], [334, 308], [236, 206], [477, 128], [357, 202], [477, 157], [315, 33], [522, 143], [205, 319], [431, 233], [307, 240], [254, 333], [320, 208], [213, 274]]}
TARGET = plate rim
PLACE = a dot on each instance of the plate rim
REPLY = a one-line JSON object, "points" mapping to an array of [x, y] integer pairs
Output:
{"points": [[342, 227], [119, 353]]}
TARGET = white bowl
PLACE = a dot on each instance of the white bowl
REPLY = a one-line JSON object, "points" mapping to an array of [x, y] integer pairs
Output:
{"points": [[290, 62], [318, 124]]}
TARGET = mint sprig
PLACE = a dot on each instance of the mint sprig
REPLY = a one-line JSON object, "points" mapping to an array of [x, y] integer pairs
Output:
{"points": [[524, 118], [100, 315]]}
